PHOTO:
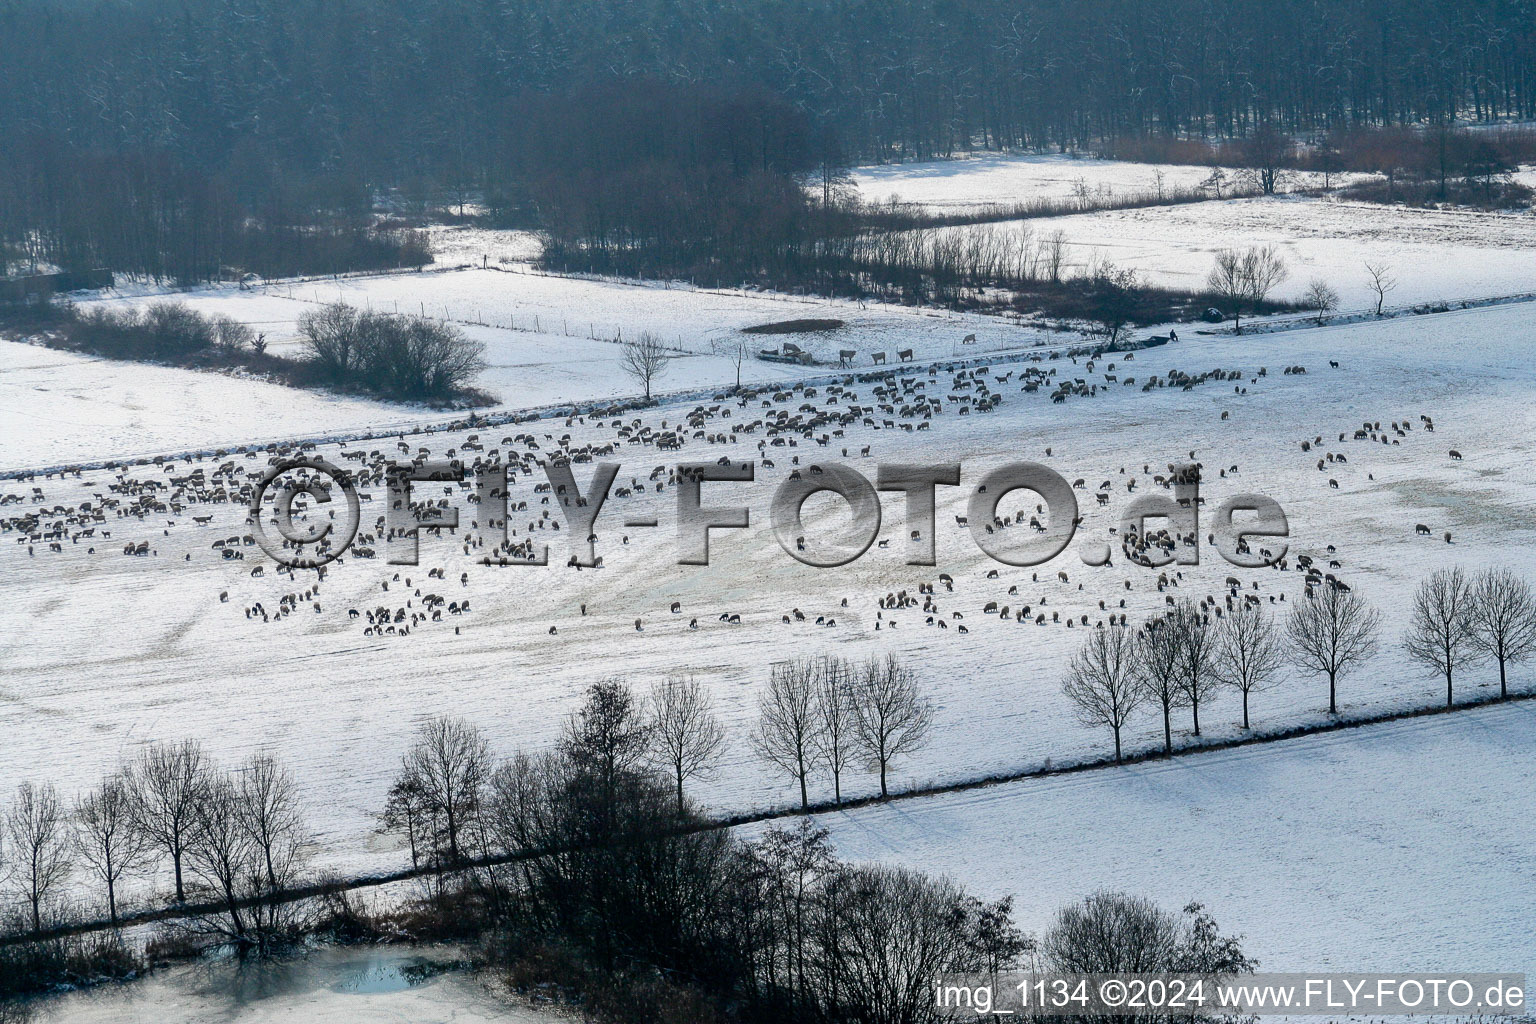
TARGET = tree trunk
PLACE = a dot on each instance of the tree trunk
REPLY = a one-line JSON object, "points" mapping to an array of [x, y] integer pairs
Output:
{"points": [[1194, 708], [1449, 702], [679, 791], [1245, 709], [181, 893], [883, 793], [1117, 744], [1333, 700], [1167, 731], [1503, 685], [805, 802]]}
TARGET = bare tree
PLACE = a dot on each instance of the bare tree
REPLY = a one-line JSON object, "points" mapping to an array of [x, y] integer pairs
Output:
{"points": [[1333, 632], [1244, 279], [646, 360], [686, 736], [788, 728], [1101, 680], [737, 348], [40, 842], [449, 762], [407, 812], [1159, 671], [221, 854], [1264, 154], [1112, 298], [1196, 645], [834, 709], [608, 735], [109, 845], [1247, 653], [1504, 619], [1321, 298], [1382, 281], [271, 813], [1441, 631], [168, 782], [891, 717]]}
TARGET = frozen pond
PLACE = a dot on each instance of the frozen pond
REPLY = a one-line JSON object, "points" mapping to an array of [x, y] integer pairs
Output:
{"points": [[422, 985]]}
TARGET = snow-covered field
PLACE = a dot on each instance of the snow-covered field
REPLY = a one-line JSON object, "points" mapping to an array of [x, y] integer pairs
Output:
{"points": [[987, 179], [1396, 847], [1434, 255], [103, 651]]}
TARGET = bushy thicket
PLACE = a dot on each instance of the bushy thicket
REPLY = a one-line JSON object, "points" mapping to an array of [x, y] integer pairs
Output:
{"points": [[410, 357], [407, 358]]}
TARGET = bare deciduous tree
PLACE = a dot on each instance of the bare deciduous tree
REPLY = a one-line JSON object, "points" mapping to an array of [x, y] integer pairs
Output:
{"points": [[1243, 279], [686, 736], [1159, 671], [407, 812], [736, 348], [1382, 281], [646, 360], [168, 782], [1320, 298], [891, 716], [39, 834], [1504, 619], [272, 815], [449, 762], [1101, 680], [788, 728], [1247, 654], [1333, 632], [1196, 644], [1441, 633], [109, 844], [608, 735], [221, 854], [834, 709]]}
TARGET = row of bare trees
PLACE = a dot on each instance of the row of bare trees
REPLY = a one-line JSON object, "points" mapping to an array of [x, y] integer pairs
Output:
{"points": [[831, 714], [1185, 658], [231, 837]]}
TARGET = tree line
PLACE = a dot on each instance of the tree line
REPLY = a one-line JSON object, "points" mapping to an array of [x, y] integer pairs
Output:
{"points": [[1186, 657]]}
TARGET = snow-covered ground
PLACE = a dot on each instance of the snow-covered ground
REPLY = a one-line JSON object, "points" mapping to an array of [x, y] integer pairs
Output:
{"points": [[1396, 847], [103, 652], [988, 179], [1434, 255]]}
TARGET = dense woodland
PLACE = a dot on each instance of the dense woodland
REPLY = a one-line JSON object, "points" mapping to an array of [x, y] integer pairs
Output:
{"points": [[187, 141]]}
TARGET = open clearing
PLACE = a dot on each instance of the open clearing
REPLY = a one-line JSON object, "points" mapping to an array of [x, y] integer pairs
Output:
{"points": [[1397, 847]]}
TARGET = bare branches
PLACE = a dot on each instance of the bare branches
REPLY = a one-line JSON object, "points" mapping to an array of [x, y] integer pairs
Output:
{"points": [[38, 830], [1101, 680], [788, 727], [1333, 632], [108, 843], [168, 784], [646, 360], [890, 716], [1503, 619], [834, 708], [1441, 633], [1382, 281], [1159, 670], [1247, 653], [1321, 298], [448, 765], [1242, 280], [686, 736]]}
